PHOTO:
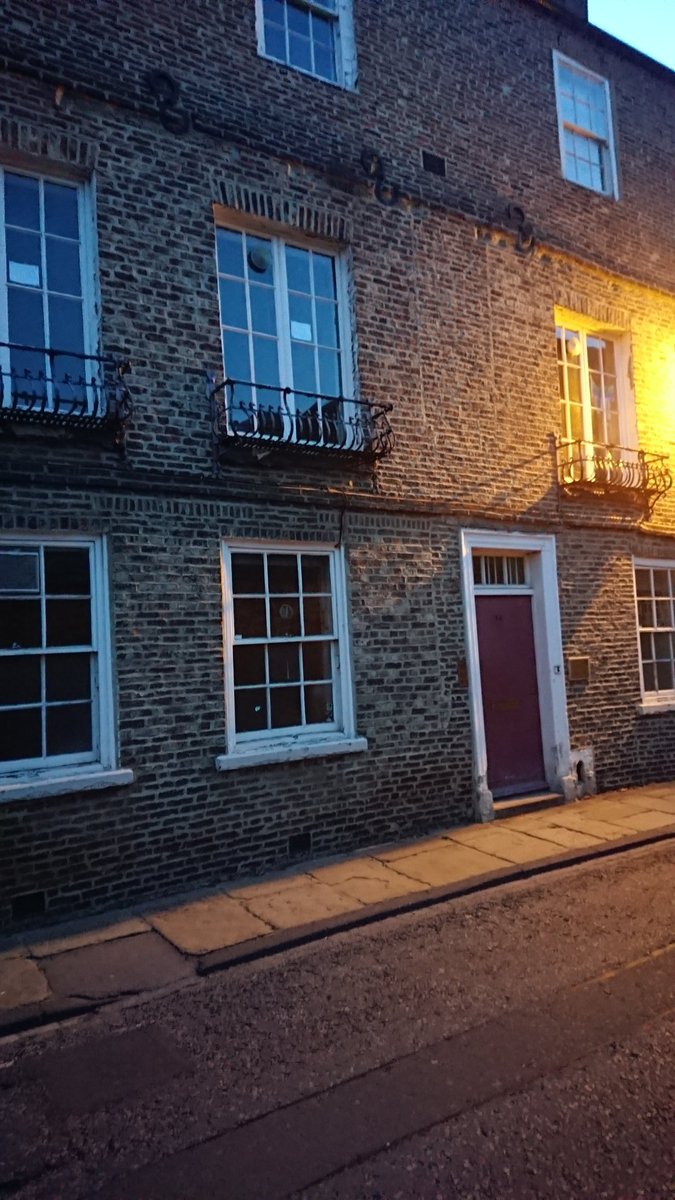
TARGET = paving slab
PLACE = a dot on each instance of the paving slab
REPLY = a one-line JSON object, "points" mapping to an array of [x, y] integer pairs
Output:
{"points": [[368, 880], [268, 887], [392, 853], [558, 835], [663, 803], [604, 830], [122, 967], [642, 821], [508, 844], [308, 901], [91, 937], [606, 810], [21, 982], [448, 864], [209, 924]]}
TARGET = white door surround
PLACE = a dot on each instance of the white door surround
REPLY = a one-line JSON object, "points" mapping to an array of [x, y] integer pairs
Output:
{"points": [[540, 550]]}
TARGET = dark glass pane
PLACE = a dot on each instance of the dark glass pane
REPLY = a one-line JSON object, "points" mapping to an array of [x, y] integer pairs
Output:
{"points": [[285, 616], [318, 615], [237, 360], [249, 665], [230, 252], [649, 676], [61, 210], [20, 680], [68, 623], [661, 645], [664, 676], [315, 573], [263, 315], [316, 660], [646, 648], [63, 266], [266, 368], [324, 61], [19, 570], [23, 258], [20, 734], [69, 729], [324, 275], [661, 583], [250, 619], [248, 574], [259, 259], [275, 42], [643, 582], [273, 10], [65, 324], [250, 710], [298, 20], [70, 377], [645, 614], [68, 676], [22, 201], [304, 368], [26, 322], [326, 323], [300, 312], [663, 614], [318, 703], [233, 303], [19, 624], [297, 270], [282, 572], [299, 52], [284, 663], [285, 707], [329, 373], [67, 572], [28, 370]]}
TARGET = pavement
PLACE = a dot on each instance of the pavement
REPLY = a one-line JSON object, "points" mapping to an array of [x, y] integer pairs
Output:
{"points": [[64, 971]]}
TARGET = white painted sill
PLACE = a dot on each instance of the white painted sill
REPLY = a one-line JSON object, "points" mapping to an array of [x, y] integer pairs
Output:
{"points": [[290, 752], [58, 785], [651, 710]]}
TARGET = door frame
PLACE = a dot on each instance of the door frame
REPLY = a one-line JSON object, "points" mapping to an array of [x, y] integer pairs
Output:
{"points": [[541, 549]]}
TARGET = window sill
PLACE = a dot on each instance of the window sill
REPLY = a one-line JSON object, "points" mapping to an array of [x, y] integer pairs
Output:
{"points": [[58, 785], [289, 752], [647, 709]]}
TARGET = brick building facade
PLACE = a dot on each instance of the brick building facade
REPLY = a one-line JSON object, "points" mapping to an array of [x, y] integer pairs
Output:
{"points": [[246, 623]]}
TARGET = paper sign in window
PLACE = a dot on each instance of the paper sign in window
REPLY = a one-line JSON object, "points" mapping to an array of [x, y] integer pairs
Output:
{"points": [[26, 273], [301, 331]]}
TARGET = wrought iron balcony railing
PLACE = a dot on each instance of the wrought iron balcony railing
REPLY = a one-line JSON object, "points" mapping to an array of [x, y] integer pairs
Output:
{"points": [[614, 469], [262, 417], [43, 386]]}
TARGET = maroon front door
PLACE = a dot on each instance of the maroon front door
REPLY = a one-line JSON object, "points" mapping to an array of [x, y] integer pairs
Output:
{"points": [[508, 675]]}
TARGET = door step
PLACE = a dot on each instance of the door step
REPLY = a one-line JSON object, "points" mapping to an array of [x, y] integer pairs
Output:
{"points": [[533, 802]]}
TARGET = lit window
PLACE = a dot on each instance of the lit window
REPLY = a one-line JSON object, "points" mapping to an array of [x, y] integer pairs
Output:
{"points": [[284, 340], [655, 595], [314, 36], [585, 127], [46, 286], [597, 411], [54, 656], [286, 650]]}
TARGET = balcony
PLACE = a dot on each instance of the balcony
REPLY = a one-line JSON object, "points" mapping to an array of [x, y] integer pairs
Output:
{"points": [[613, 471], [58, 388], [262, 418]]}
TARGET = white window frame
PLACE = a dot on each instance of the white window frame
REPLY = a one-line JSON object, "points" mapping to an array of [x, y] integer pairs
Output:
{"points": [[620, 338], [98, 768], [278, 242], [86, 211], [652, 700], [609, 149], [345, 45], [269, 745]]}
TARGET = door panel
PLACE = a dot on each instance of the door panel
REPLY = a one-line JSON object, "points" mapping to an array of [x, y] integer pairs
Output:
{"points": [[508, 675]]}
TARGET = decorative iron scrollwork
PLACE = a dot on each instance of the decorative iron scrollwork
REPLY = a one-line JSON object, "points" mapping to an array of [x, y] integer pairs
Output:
{"points": [[525, 235], [80, 392], [262, 418], [613, 470], [388, 194], [167, 93]]}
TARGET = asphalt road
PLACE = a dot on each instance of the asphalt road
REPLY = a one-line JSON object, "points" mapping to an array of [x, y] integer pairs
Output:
{"points": [[517, 1044]]}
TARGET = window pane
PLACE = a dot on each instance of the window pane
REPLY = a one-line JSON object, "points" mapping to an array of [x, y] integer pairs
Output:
{"points": [[69, 729], [63, 266], [67, 572], [324, 275], [662, 612], [248, 573], [19, 571], [297, 270], [285, 707], [65, 324], [68, 677], [329, 373], [317, 660], [233, 303], [298, 19], [26, 322], [230, 252], [273, 10], [22, 201], [649, 676], [250, 710], [259, 259], [662, 645], [284, 663], [315, 573], [646, 646], [282, 571], [68, 623], [285, 617], [299, 52], [318, 613], [20, 624], [326, 323], [643, 582], [324, 62], [304, 369], [250, 618], [23, 258], [61, 210], [664, 676], [236, 351], [266, 360], [645, 614], [20, 734], [263, 315], [275, 42], [249, 665], [318, 703], [661, 587], [20, 681]]}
